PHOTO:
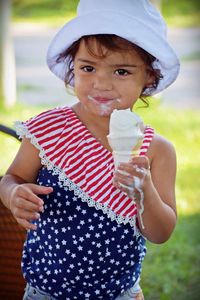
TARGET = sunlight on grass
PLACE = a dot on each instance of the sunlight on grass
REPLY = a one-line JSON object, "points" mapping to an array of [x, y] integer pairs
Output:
{"points": [[8, 151], [52, 21], [192, 20], [174, 264], [182, 129], [9, 145], [49, 12]]}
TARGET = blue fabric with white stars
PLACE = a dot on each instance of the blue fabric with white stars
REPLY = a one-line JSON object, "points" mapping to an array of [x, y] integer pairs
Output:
{"points": [[77, 252]]}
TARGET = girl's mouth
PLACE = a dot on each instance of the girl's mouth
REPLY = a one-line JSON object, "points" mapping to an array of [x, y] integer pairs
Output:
{"points": [[105, 106], [102, 100]]}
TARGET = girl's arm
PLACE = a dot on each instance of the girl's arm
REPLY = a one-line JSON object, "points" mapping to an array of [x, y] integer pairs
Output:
{"points": [[159, 216], [18, 190]]}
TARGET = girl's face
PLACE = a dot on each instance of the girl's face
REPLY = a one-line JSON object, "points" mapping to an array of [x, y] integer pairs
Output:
{"points": [[114, 81]]}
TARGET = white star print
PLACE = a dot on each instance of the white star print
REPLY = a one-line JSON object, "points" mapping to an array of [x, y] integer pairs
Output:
{"points": [[64, 244], [81, 271]]}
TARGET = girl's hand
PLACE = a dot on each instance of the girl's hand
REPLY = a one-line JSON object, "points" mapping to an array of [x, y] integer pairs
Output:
{"points": [[25, 205], [132, 175]]}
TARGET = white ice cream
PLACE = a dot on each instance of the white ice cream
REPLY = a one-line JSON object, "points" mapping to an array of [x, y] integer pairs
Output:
{"points": [[125, 135]]}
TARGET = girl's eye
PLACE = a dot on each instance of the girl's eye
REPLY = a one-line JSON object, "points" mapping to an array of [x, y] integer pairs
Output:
{"points": [[87, 69], [122, 72]]}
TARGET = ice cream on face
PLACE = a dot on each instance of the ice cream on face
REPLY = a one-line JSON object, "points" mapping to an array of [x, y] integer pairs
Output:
{"points": [[105, 107], [125, 135]]}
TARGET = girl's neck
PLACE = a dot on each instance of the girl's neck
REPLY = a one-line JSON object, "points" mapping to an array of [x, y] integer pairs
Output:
{"points": [[89, 119], [97, 125]]}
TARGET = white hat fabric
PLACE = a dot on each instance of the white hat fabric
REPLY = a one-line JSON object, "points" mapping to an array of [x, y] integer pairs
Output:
{"points": [[137, 21]]}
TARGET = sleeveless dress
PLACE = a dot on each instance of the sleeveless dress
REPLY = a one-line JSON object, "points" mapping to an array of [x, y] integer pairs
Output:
{"points": [[87, 244]]}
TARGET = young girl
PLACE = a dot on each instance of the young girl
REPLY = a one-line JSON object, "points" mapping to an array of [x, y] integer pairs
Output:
{"points": [[62, 187]]}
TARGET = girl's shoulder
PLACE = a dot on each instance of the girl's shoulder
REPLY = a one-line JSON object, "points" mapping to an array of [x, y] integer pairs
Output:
{"points": [[160, 141], [52, 118], [161, 148], [53, 113], [46, 128]]}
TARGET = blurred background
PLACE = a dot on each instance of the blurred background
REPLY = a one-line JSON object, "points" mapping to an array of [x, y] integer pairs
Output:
{"points": [[172, 270]]}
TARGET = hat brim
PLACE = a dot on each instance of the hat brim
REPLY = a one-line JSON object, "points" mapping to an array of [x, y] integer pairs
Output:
{"points": [[134, 30]]}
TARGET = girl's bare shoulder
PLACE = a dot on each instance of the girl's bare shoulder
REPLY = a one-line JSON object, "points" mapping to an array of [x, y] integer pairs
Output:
{"points": [[161, 147], [27, 162]]}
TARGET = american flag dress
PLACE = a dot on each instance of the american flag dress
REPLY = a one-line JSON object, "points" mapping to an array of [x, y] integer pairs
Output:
{"points": [[87, 244]]}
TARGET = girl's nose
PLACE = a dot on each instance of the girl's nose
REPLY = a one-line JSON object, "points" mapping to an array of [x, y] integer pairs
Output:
{"points": [[102, 82]]}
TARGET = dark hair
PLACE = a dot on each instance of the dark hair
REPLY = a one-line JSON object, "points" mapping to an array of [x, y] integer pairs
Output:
{"points": [[110, 42]]}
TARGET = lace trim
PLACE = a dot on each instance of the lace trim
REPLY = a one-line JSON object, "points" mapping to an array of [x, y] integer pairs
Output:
{"points": [[66, 182]]}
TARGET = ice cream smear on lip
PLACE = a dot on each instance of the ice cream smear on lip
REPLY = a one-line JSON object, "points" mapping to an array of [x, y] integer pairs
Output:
{"points": [[125, 135], [104, 106]]}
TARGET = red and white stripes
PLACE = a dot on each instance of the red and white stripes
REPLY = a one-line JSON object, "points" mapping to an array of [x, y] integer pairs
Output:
{"points": [[67, 147], [148, 136]]}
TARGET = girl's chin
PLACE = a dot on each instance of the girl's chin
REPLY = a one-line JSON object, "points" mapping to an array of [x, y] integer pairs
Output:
{"points": [[104, 110], [100, 113]]}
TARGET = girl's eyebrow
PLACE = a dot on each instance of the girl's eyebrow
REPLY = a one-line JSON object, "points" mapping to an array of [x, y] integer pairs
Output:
{"points": [[86, 61], [112, 65], [125, 66]]}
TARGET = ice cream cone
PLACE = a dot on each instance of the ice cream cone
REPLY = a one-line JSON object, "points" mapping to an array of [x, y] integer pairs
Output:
{"points": [[125, 138], [125, 135]]}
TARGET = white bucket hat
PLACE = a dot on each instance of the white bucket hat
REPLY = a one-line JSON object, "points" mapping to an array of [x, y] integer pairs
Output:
{"points": [[134, 20]]}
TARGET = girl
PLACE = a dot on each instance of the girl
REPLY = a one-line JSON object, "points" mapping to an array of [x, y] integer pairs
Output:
{"points": [[62, 186]]}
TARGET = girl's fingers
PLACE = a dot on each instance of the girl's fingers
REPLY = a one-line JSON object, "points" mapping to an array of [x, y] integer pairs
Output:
{"points": [[132, 176], [40, 190], [140, 161], [25, 197], [29, 205], [26, 224], [26, 205], [30, 192], [129, 190], [127, 181], [24, 214], [127, 173]]}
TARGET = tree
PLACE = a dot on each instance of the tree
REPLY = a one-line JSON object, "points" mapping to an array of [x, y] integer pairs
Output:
{"points": [[7, 57]]}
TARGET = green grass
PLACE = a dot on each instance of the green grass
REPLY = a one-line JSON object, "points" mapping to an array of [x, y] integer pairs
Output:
{"points": [[9, 145], [181, 12], [171, 270], [50, 12], [53, 12], [182, 129]]}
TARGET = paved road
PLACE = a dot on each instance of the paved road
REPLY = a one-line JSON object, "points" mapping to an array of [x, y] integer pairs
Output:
{"points": [[37, 85], [185, 92]]}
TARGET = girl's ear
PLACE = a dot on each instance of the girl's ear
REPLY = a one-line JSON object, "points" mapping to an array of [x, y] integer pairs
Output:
{"points": [[151, 77]]}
